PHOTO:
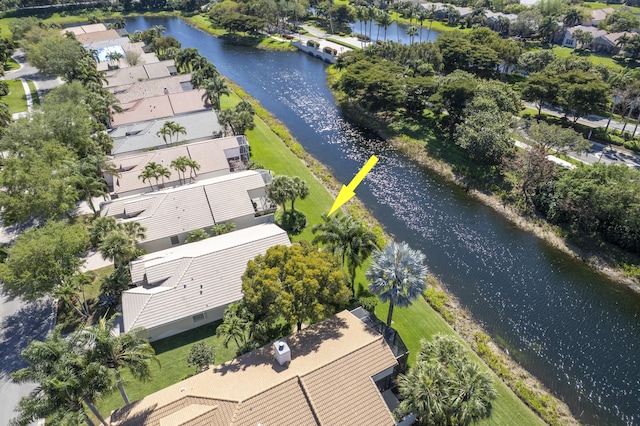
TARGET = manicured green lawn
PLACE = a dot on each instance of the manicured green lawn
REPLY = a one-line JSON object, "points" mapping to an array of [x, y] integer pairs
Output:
{"points": [[172, 353], [597, 59], [11, 65], [268, 150], [414, 323], [34, 92], [16, 98], [420, 321]]}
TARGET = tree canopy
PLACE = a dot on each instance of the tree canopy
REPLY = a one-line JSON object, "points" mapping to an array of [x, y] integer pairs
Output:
{"points": [[297, 283]]}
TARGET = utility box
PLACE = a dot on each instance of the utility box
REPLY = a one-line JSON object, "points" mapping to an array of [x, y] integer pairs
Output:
{"points": [[282, 351]]}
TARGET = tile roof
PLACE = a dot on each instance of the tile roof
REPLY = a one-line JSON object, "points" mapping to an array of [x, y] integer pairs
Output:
{"points": [[139, 72], [143, 135], [149, 88], [328, 382], [593, 30], [97, 36], [193, 278], [193, 206], [211, 154], [84, 29], [160, 106]]}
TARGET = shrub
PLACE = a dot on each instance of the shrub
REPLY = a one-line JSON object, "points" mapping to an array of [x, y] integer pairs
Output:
{"points": [[313, 44], [437, 300], [368, 302]]}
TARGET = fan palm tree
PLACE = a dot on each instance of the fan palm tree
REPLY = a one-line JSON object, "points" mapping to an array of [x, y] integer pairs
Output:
{"points": [[100, 227], [126, 350], [397, 275], [347, 238], [214, 88], [186, 58], [134, 230], [118, 247], [67, 380]]}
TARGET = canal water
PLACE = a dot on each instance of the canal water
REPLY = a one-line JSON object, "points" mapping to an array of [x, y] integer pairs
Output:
{"points": [[576, 331]]}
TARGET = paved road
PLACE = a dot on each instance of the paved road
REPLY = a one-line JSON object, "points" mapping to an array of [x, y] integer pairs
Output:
{"points": [[43, 83], [19, 323]]}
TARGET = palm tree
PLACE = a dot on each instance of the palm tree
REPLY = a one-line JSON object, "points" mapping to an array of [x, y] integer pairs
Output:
{"points": [[193, 166], [114, 58], [126, 350], [421, 16], [347, 238], [397, 275], [163, 173], [196, 235], [385, 20], [100, 227], [411, 32], [214, 88], [66, 379], [176, 129], [300, 190], [180, 165], [572, 18], [186, 58], [134, 230], [445, 386], [118, 247], [165, 131], [89, 184], [146, 175]]}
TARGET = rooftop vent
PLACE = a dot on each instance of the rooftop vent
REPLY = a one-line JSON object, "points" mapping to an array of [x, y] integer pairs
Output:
{"points": [[282, 351]]}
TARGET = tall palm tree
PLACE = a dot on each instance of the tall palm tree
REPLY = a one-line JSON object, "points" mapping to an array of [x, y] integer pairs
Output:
{"points": [[214, 88], [146, 175], [163, 172], [66, 380], [165, 131], [347, 238], [179, 165], [385, 20], [193, 166], [126, 350], [134, 230], [186, 58], [411, 32], [176, 129], [397, 275], [421, 16]]}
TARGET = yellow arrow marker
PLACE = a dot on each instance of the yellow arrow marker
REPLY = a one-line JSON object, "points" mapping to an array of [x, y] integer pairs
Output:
{"points": [[347, 192]]}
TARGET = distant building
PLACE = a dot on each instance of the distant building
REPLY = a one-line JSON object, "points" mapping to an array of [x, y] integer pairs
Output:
{"points": [[216, 157], [339, 373], [570, 41], [170, 214], [191, 285], [598, 16]]}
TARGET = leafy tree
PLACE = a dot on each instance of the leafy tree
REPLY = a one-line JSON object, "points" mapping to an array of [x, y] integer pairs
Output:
{"points": [[42, 259], [201, 356], [585, 38], [621, 20], [535, 61], [541, 88], [582, 93], [445, 387], [557, 138], [484, 133], [533, 173], [66, 379], [296, 283], [196, 235], [397, 275], [348, 239], [125, 350], [37, 181], [55, 54]]}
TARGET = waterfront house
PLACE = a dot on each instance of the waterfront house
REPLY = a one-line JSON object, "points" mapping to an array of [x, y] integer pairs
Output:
{"points": [[170, 214], [216, 157], [188, 286], [145, 71], [336, 372]]}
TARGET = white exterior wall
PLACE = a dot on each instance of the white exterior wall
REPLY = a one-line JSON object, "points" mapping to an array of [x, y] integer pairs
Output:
{"points": [[184, 324]]}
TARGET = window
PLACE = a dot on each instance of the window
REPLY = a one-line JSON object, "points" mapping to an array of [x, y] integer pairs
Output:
{"points": [[199, 317], [175, 240]]}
